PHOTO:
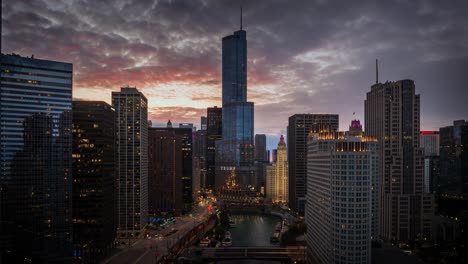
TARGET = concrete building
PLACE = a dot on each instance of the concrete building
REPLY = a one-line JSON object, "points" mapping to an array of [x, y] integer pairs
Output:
{"points": [[35, 160], [429, 141], [214, 132], [299, 126], [131, 117], [342, 172], [261, 160], [277, 176], [164, 172], [94, 183], [392, 112]]}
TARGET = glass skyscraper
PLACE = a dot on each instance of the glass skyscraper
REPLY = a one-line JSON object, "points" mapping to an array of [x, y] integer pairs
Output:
{"points": [[35, 160], [235, 152]]}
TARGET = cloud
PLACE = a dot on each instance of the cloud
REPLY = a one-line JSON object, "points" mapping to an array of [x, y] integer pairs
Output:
{"points": [[303, 56]]}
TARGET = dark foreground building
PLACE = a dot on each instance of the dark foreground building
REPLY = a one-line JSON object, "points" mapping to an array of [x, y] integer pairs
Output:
{"points": [[164, 171], [35, 160], [214, 132], [94, 180]]}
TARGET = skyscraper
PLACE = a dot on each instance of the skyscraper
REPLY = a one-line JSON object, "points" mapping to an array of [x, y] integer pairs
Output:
{"points": [[199, 161], [299, 126], [214, 132], [261, 159], [392, 116], [277, 176], [131, 117], [453, 180], [235, 152], [341, 173], [203, 123], [186, 135], [164, 171], [429, 141], [94, 179], [35, 160]]}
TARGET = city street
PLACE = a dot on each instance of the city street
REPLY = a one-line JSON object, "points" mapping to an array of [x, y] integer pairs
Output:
{"points": [[145, 250]]}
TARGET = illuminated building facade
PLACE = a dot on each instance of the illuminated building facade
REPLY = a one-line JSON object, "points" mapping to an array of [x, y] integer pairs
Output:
{"points": [[392, 112], [94, 182], [277, 176], [35, 160], [131, 117], [235, 152], [342, 172]]}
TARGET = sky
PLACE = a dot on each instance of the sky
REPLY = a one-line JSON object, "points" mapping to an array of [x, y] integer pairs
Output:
{"points": [[303, 56]]}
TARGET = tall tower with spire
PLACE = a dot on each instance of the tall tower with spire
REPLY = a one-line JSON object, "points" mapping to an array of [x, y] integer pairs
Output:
{"points": [[236, 151]]}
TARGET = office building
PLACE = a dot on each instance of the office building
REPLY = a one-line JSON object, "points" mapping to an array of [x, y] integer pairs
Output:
{"points": [[429, 141], [35, 160], [392, 112], [235, 152], [94, 184], [277, 176], [199, 161], [261, 159], [131, 117], [299, 126], [214, 132], [164, 172], [342, 172], [203, 123]]}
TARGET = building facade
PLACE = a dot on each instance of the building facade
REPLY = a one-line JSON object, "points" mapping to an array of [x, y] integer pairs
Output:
{"points": [[94, 184], [131, 117], [392, 112], [35, 160], [341, 174], [299, 126], [429, 141], [277, 176], [214, 132], [164, 172], [235, 152], [261, 159], [199, 161]]}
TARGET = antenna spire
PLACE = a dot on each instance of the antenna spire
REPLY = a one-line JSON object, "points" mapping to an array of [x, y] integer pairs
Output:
{"points": [[241, 18], [376, 71]]}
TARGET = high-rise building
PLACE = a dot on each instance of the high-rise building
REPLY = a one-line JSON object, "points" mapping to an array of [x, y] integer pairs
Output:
{"points": [[261, 159], [214, 132], [429, 141], [186, 135], [235, 152], [299, 126], [452, 184], [341, 174], [203, 123], [35, 160], [94, 181], [275, 155], [392, 112], [164, 171], [131, 117], [453, 179], [199, 161], [277, 176], [260, 147]]}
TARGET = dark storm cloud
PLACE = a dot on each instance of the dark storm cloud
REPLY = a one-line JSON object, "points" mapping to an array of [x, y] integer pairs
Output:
{"points": [[304, 56]]}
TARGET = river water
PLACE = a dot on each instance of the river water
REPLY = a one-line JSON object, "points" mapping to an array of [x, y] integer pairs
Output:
{"points": [[251, 230]]}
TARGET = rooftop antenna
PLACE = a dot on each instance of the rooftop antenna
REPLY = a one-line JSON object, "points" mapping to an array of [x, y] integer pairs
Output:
{"points": [[376, 71], [241, 18]]}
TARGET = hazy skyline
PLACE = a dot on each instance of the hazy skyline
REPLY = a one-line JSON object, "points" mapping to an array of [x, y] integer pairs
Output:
{"points": [[303, 56]]}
